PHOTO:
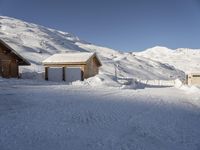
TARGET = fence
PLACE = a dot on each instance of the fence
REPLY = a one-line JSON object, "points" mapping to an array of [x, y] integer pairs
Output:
{"points": [[147, 82], [158, 82]]}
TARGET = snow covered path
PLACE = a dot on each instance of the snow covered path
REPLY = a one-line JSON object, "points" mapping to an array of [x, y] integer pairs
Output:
{"points": [[49, 116]]}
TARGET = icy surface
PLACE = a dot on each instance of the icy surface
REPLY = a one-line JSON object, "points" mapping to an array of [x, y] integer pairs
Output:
{"points": [[47, 115]]}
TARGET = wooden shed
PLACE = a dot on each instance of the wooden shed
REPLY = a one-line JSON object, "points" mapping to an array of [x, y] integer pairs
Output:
{"points": [[10, 61], [193, 79], [71, 66]]}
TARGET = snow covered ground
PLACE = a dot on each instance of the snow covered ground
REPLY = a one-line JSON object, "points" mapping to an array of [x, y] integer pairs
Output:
{"points": [[47, 115]]}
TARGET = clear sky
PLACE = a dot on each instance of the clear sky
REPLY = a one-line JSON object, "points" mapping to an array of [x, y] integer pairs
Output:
{"points": [[127, 25]]}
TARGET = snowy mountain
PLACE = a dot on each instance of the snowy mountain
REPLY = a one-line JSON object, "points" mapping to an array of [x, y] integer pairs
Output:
{"points": [[187, 60], [36, 43]]}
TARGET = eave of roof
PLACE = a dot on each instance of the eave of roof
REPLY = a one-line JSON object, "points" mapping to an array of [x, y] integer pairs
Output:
{"points": [[95, 55], [51, 60], [64, 63], [25, 62]]}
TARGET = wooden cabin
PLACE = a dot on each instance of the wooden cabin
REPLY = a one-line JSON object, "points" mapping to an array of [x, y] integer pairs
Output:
{"points": [[193, 79], [10, 61], [71, 66]]}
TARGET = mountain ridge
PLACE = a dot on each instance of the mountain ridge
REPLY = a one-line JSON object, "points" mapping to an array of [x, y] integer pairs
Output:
{"points": [[36, 43], [185, 59]]}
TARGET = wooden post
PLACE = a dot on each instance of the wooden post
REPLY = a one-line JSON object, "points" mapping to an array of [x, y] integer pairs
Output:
{"points": [[46, 73], [18, 76], [9, 67], [63, 69], [82, 75]]}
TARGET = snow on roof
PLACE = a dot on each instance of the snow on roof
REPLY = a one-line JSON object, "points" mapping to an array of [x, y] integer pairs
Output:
{"points": [[25, 62], [77, 57]]}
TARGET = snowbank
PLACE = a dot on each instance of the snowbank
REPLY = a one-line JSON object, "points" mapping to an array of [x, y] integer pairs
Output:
{"points": [[133, 84], [178, 83], [99, 80], [190, 89], [186, 88]]}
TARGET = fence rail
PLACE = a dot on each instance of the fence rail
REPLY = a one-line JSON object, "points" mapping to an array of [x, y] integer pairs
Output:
{"points": [[148, 82]]}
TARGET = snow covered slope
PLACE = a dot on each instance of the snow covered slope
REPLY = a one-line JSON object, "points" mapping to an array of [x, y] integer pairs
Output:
{"points": [[184, 59], [36, 43]]}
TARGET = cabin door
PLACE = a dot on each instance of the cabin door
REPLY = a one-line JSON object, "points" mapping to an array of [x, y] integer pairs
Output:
{"points": [[5, 68], [1, 69], [73, 74], [55, 74]]}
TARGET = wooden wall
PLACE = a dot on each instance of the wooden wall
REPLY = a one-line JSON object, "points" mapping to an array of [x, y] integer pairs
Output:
{"points": [[92, 68], [8, 63], [89, 69], [193, 79]]}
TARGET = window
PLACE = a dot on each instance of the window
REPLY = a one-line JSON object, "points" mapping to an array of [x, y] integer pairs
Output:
{"points": [[196, 76]]}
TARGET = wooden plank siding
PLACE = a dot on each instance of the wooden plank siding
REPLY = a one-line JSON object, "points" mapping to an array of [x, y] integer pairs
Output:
{"points": [[9, 62], [193, 79], [88, 69], [82, 66], [92, 68]]}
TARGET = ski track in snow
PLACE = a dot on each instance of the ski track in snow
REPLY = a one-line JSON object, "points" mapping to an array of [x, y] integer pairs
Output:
{"points": [[56, 116]]}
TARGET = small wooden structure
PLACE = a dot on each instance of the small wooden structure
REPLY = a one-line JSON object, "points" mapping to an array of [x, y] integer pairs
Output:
{"points": [[193, 79], [10, 61], [83, 63]]}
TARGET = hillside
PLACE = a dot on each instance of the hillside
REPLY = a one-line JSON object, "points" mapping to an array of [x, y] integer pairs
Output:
{"points": [[36, 43], [187, 60]]}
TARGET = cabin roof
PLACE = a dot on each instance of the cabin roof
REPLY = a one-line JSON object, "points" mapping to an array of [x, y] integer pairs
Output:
{"points": [[71, 58], [194, 73], [23, 60]]}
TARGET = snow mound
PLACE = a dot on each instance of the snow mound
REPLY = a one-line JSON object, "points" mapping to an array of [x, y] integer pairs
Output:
{"points": [[190, 89], [99, 80], [178, 83], [186, 88], [134, 84]]}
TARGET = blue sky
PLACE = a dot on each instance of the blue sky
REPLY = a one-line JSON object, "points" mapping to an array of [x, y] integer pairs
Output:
{"points": [[129, 25]]}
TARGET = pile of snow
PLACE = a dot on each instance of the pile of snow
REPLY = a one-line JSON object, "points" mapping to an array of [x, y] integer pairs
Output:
{"points": [[134, 84], [190, 89], [99, 80], [178, 83], [186, 88]]}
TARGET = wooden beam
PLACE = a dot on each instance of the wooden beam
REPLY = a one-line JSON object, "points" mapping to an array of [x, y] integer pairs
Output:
{"points": [[46, 73], [63, 70]]}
